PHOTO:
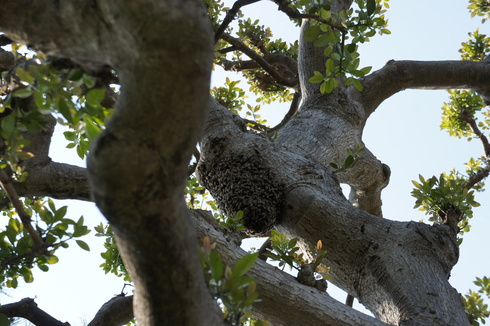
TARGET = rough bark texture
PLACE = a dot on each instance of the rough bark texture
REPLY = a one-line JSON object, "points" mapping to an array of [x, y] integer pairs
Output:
{"points": [[162, 51]]}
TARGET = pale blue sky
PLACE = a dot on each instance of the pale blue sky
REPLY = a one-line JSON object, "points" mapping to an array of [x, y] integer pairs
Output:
{"points": [[403, 133]]}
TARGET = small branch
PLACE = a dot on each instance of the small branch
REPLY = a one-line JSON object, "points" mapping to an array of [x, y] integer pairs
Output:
{"points": [[479, 176], [293, 109], [28, 309], [264, 64], [468, 118], [230, 15], [39, 245]]}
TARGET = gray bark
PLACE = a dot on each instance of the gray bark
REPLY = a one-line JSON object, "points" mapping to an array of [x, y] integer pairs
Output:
{"points": [[137, 168]]}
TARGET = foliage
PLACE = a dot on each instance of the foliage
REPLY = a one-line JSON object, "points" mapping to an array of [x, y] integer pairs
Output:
{"points": [[476, 309], [462, 106], [477, 47], [113, 261], [285, 252], [445, 195], [235, 290], [480, 8], [17, 256], [340, 37]]}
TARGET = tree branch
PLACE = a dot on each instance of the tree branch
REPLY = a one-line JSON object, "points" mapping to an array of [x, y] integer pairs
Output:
{"points": [[396, 76], [28, 309], [300, 304], [117, 311], [230, 15], [39, 244]]}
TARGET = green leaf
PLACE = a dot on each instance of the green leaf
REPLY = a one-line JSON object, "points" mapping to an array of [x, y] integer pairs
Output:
{"points": [[95, 96], [52, 260], [311, 33], [83, 245], [92, 130], [349, 161], [371, 7], [24, 75], [26, 274], [4, 320], [44, 268], [216, 265], [244, 264], [8, 124], [23, 92], [317, 77]]}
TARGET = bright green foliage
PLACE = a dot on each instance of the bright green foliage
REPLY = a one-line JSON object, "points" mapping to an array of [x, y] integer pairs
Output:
{"points": [[284, 252], [341, 39], [235, 290], [461, 107], [230, 96], [215, 9], [17, 257], [113, 261], [476, 310], [445, 195], [477, 47], [480, 8]]}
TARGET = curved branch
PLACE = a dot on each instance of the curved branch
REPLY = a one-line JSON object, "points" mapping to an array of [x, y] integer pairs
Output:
{"points": [[28, 309], [396, 76], [230, 15]]}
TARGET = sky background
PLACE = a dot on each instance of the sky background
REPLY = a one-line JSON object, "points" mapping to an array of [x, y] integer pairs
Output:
{"points": [[403, 133]]}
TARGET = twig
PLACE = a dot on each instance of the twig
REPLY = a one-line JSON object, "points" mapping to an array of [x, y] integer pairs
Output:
{"points": [[39, 244], [230, 15]]}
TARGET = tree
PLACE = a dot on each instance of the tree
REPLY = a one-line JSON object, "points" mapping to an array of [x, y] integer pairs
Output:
{"points": [[286, 177]]}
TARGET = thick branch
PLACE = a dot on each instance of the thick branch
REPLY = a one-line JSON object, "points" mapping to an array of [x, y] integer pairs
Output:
{"points": [[56, 180], [396, 76], [299, 304], [117, 311], [28, 309]]}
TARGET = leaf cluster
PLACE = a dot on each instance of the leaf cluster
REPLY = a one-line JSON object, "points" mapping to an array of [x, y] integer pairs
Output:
{"points": [[341, 40], [476, 310], [112, 258], [17, 256], [461, 108], [285, 252], [231, 286], [480, 8], [445, 195]]}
